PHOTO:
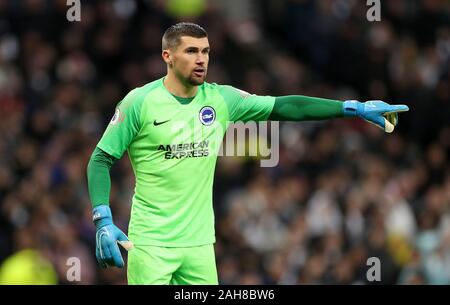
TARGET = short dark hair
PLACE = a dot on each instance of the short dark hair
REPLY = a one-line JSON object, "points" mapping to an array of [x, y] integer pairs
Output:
{"points": [[172, 35]]}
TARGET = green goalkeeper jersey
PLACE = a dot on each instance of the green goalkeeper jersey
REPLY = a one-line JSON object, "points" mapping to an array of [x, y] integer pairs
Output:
{"points": [[173, 149]]}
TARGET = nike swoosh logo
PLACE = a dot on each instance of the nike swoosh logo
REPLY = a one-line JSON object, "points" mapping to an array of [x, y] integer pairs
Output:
{"points": [[159, 123]]}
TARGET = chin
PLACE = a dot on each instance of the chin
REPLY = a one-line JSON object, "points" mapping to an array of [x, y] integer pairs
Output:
{"points": [[197, 81]]}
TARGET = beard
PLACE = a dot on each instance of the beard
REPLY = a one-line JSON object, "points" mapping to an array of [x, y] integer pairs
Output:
{"points": [[192, 79], [195, 80]]}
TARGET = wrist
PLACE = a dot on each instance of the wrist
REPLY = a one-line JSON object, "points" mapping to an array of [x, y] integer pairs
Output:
{"points": [[351, 108], [102, 216]]}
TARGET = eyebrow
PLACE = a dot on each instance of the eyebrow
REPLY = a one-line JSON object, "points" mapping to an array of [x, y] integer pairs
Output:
{"points": [[196, 48]]}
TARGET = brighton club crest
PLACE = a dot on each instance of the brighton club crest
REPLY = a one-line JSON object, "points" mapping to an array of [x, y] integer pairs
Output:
{"points": [[207, 115]]}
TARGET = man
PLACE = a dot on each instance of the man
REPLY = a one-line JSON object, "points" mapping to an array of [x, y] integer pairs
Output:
{"points": [[168, 127]]}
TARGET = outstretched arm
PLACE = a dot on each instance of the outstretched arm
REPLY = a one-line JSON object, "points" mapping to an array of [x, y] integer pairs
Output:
{"points": [[243, 106], [301, 108]]}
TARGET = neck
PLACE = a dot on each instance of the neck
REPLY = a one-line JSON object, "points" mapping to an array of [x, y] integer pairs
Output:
{"points": [[177, 88]]}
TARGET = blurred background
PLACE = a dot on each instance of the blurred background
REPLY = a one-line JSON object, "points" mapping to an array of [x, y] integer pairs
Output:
{"points": [[343, 191]]}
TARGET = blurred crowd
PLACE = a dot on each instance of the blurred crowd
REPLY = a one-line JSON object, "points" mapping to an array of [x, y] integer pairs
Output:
{"points": [[343, 191]]}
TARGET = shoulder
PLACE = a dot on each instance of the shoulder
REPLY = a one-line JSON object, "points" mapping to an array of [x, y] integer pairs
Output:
{"points": [[210, 86], [229, 91], [225, 90], [221, 88]]}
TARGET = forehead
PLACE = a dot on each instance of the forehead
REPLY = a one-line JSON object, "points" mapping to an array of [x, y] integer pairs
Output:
{"points": [[188, 41]]}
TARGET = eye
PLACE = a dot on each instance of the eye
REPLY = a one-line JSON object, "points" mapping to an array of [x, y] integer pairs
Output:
{"points": [[191, 51]]}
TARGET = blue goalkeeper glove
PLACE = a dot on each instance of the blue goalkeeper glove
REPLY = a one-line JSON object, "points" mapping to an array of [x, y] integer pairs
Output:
{"points": [[378, 113], [107, 237]]}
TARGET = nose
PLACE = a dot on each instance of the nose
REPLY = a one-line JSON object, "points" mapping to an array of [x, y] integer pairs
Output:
{"points": [[200, 60]]}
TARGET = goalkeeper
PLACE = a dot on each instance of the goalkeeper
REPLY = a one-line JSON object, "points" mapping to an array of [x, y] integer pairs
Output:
{"points": [[171, 229]]}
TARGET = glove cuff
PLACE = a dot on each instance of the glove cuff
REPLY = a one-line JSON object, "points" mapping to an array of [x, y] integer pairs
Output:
{"points": [[102, 216], [350, 108]]}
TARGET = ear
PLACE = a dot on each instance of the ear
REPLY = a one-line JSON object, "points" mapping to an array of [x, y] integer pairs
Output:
{"points": [[167, 57]]}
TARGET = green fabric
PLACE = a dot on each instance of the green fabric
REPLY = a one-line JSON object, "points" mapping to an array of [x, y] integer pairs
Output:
{"points": [[302, 108], [173, 155], [152, 265], [243, 106], [183, 100], [126, 122], [99, 181]]}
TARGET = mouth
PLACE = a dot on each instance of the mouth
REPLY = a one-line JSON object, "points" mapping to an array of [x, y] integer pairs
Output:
{"points": [[199, 72]]}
